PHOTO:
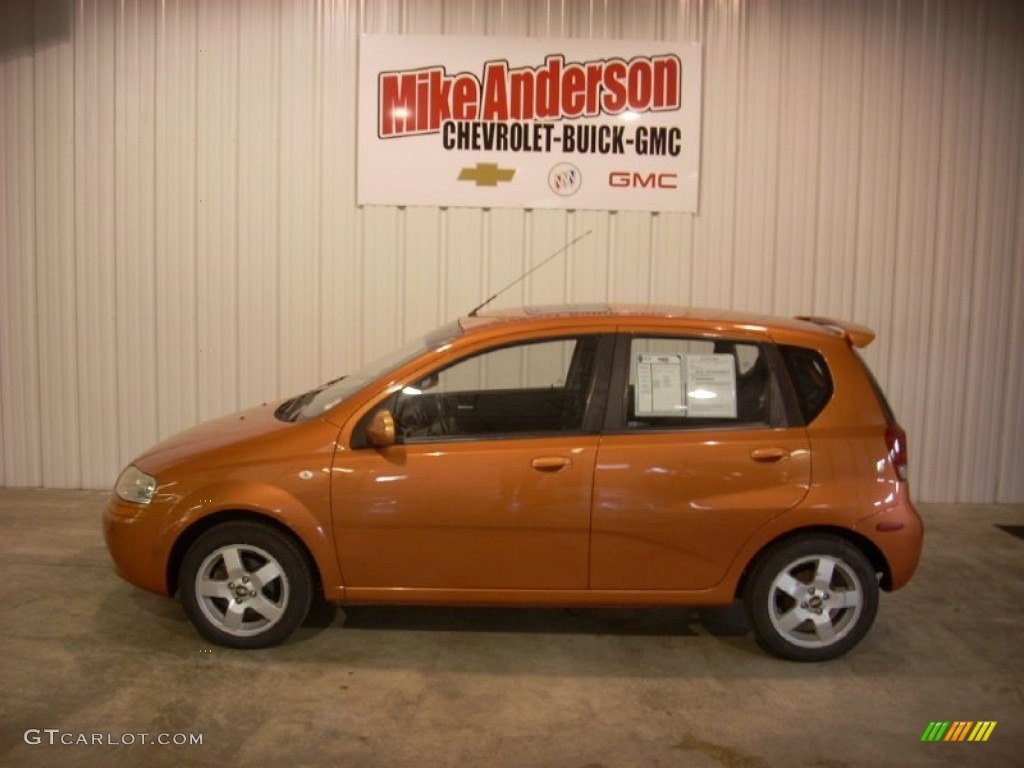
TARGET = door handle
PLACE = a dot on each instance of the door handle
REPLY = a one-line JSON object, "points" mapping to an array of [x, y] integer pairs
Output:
{"points": [[551, 463], [768, 454]]}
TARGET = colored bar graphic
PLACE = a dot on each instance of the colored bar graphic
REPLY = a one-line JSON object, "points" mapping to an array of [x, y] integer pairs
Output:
{"points": [[982, 730], [958, 730]]}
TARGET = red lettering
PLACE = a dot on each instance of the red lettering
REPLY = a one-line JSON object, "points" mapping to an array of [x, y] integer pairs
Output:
{"points": [[614, 99], [422, 101], [495, 106], [666, 83], [522, 94], [640, 86], [574, 91], [637, 180], [593, 86], [465, 94], [619, 179], [548, 84], [397, 101], [645, 181], [440, 99]]}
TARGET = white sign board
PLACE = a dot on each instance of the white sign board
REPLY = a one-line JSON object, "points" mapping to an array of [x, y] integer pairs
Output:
{"points": [[659, 385], [529, 123], [711, 386], [690, 386]]}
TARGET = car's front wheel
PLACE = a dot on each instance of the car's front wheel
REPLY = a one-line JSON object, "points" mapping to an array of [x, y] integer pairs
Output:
{"points": [[811, 598], [245, 585]]}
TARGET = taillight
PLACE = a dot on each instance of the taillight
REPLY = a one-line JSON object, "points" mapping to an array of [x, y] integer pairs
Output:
{"points": [[896, 441]]}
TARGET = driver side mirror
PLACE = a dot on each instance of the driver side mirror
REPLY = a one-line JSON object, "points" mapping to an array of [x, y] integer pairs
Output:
{"points": [[381, 429]]}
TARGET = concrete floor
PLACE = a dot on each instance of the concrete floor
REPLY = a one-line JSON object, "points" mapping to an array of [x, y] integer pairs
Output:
{"points": [[85, 653]]}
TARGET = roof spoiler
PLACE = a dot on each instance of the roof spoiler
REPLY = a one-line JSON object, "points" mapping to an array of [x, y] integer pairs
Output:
{"points": [[857, 335]]}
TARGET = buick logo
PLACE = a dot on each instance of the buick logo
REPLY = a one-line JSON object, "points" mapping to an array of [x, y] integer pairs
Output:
{"points": [[565, 179]]}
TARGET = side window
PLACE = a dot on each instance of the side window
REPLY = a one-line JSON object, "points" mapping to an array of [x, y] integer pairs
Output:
{"points": [[811, 379], [529, 388], [541, 365], [688, 383]]}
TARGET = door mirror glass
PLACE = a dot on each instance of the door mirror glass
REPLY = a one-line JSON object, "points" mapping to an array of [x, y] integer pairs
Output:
{"points": [[427, 382]]}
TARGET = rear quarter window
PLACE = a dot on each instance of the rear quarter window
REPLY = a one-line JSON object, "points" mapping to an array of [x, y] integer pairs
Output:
{"points": [[811, 379]]}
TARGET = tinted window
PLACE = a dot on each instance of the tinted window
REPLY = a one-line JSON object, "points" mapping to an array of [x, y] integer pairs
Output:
{"points": [[811, 379], [529, 388], [677, 382]]}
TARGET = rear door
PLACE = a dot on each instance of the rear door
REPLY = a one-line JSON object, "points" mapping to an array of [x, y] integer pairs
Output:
{"points": [[697, 455]]}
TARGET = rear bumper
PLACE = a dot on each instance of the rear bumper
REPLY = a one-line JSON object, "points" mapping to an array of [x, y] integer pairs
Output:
{"points": [[899, 533]]}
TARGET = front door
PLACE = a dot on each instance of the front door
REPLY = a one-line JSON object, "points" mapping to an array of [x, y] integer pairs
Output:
{"points": [[489, 514], [490, 484]]}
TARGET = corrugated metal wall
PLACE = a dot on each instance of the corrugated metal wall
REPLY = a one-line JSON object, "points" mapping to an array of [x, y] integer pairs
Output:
{"points": [[180, 237]]}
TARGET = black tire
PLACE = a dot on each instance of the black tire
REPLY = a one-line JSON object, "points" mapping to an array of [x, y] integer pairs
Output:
{"points": [[811, 598], [245, 585]]}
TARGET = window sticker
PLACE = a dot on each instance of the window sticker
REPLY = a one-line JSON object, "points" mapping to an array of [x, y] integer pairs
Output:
{"points": [[711, 386], [687, 386], [659, 385]]}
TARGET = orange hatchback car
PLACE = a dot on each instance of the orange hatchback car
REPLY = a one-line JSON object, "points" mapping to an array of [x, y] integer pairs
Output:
{"points": [[587, 455]]}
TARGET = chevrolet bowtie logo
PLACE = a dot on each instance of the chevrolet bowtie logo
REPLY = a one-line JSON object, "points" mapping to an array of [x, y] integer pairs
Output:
{"points": [[487, 174]]}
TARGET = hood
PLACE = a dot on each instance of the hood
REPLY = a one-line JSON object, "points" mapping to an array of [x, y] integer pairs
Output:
{"points": [[209, 436]]}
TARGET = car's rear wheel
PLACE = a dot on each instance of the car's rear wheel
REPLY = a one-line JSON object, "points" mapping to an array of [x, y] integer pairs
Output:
{"points": [[245, 585], [811, 598]]}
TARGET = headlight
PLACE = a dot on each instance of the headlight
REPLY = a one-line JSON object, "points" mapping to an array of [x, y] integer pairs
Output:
{"points": [[135, 486]]}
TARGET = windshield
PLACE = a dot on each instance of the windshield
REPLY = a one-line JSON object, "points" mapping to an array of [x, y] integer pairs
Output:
{"points": [[323, 398]]}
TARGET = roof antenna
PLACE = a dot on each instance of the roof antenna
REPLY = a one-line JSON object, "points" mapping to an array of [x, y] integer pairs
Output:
{"points": [[530, 271]]}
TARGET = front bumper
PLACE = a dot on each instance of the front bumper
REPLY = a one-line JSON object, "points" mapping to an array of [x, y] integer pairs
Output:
{"points": [[132, 533]]}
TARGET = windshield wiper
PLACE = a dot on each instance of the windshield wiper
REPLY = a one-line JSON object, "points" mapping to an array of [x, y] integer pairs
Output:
{"points": [[290, 409]]}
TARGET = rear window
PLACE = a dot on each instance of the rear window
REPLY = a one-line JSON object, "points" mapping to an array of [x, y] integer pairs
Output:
{"points": [[811, 379]]}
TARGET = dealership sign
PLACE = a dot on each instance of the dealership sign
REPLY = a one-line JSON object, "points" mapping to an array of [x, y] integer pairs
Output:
{"points": [[529, 123]]}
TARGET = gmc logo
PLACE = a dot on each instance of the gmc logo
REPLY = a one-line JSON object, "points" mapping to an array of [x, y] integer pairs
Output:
{"points": [[636, 180]]}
